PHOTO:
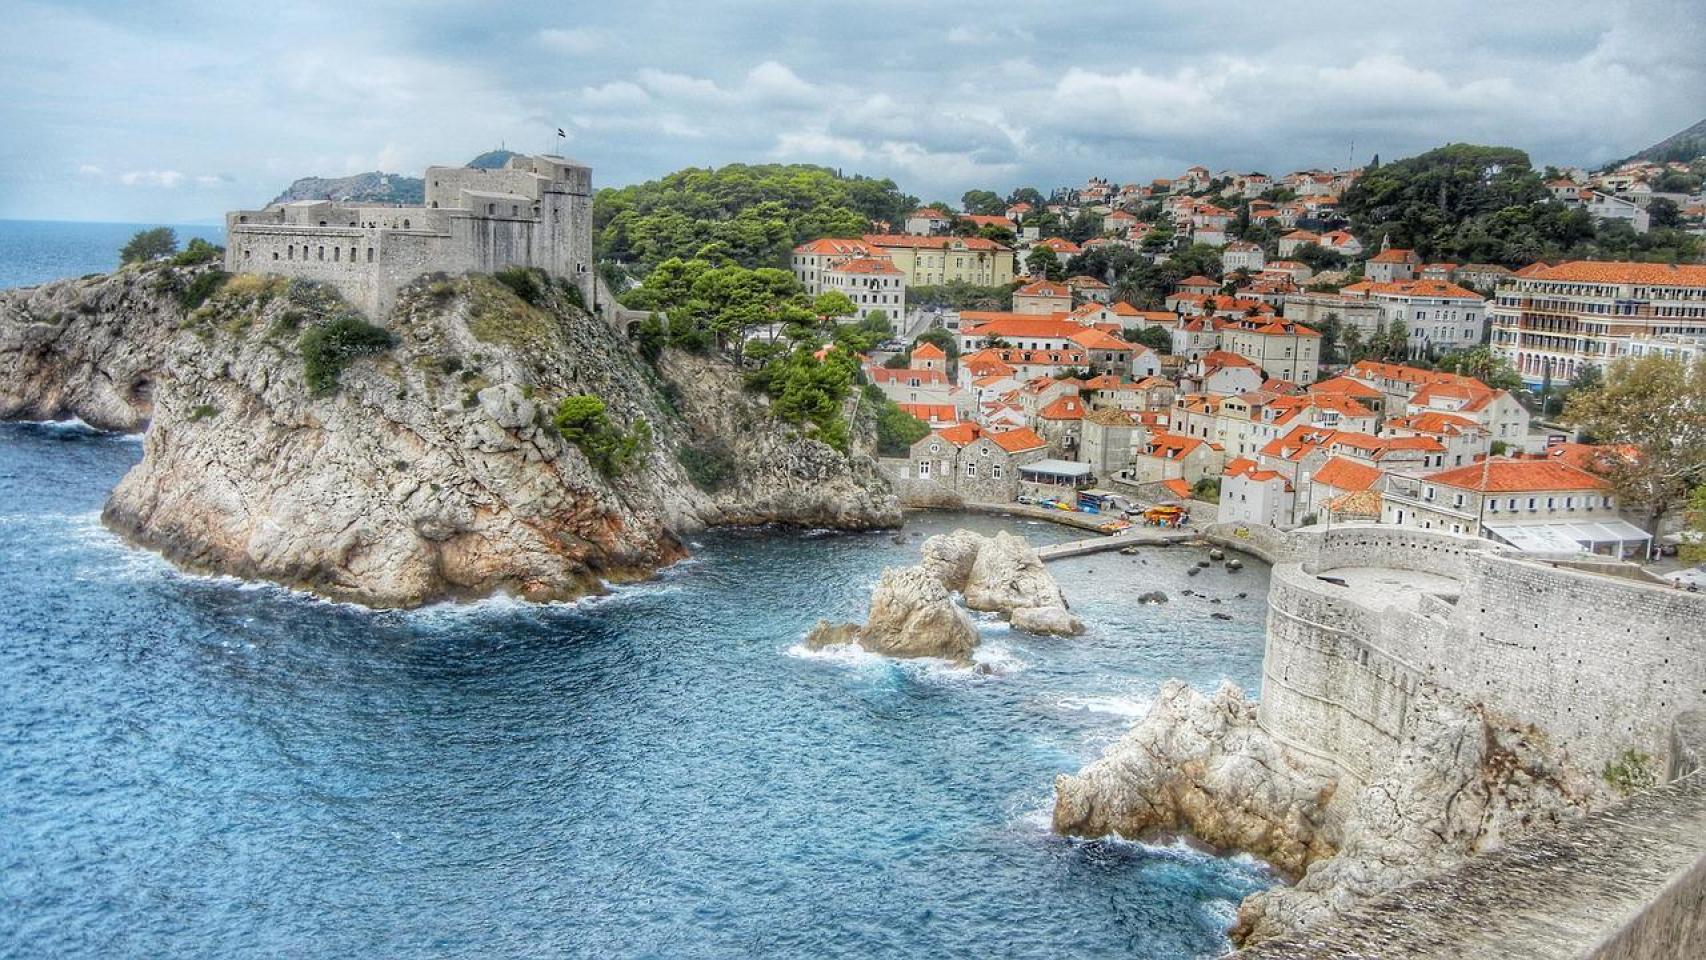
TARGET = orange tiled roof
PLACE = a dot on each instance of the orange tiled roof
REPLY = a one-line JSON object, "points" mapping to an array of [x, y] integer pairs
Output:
{"points": [[1043, 288], [1063, 408], [1500, 475], [1345, 386], [865, 265], [1347, 474], [1014, 441], [1647, 274], [834, 246], [928, 351]]}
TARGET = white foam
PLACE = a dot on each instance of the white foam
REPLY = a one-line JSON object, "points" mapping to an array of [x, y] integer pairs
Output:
{"points": [[1130, 708]]}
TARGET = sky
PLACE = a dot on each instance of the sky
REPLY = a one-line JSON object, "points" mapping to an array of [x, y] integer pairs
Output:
{"points": [[145, 110]]}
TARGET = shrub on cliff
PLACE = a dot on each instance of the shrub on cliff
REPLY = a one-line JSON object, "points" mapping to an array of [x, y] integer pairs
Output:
{"points": [[148, 245], [330, 347], [203, 286], [528, 283], [199, 251], [897, 430], [583, 422], [709, 469]]}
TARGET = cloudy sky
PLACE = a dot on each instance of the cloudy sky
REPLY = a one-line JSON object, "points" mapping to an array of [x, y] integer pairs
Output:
{"points": [[153, 110]]}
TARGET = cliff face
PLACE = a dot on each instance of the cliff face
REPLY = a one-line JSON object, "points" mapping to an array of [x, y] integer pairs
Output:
{"points": [[88, 348], [1467, 782], [428, 468]]}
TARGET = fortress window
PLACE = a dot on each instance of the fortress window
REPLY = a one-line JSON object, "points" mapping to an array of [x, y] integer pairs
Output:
{"points": [[242, 219], [369, 254], [246, 254], [405, 224], [322, 223], [434, 204], [491, 209], [336, 254], [275, 254], [290, 252], [320, 253], [515, 209], [351, 254]]}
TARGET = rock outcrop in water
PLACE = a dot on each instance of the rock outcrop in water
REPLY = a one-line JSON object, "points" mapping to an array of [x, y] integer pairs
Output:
{"points": [[431, 467], [1001, 574], [1201, 765], [912, 615]]}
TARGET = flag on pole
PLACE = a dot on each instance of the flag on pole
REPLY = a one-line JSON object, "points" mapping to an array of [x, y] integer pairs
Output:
{"points": [[560, 132]]}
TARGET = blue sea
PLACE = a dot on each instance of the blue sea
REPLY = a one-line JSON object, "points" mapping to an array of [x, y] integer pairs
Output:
{"points": [[200, 767], [37, 251]]}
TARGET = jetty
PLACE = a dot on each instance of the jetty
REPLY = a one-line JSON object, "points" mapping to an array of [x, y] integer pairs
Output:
{"points": [[1129, 537]]}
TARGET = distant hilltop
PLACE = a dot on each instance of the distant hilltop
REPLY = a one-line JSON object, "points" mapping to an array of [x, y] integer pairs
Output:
{"points": [[1681, 147], [378, 187]]}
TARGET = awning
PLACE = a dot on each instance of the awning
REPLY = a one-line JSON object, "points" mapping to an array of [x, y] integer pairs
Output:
{"points": [[1566, 537], [1056, 468]]}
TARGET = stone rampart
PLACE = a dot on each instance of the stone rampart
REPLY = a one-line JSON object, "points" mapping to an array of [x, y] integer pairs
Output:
{"points": [[1602, 665], [1623, 884]]}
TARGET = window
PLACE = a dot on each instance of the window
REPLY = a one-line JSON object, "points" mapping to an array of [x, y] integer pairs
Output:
{"points": [[1531, 502], [275, 254], [971, 470], [405, 224], [336, 254], [923, 469], [246, 254], [369, 254], [320, 254], [995, 471], [1493, 506]]}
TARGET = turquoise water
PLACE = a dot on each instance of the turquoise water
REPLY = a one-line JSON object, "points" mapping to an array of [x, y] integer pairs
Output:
{"points": [[196, 767], [36, 251]]}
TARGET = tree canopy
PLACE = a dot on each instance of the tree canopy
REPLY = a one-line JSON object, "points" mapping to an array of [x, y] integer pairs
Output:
{"points": [[750, 215], [1657, 406], [148, 245]]}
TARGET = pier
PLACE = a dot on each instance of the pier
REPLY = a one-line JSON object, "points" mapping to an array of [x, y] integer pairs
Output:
{"points": [[1129, 537]]}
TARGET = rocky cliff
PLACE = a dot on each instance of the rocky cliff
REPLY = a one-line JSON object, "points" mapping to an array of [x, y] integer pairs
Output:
{"points": [[1200, 765], [289, 442]]}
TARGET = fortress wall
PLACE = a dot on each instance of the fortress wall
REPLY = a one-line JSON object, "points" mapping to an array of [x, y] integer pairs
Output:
{"points": [[1603, 665], [336, 256], [1626, 883], [1330, 686]]}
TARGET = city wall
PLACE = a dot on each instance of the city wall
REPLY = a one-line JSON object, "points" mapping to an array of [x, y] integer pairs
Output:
{"points": [[1604, 666]]}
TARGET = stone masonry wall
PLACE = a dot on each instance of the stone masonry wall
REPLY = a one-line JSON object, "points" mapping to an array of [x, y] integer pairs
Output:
{"points": [[1602, 665]]}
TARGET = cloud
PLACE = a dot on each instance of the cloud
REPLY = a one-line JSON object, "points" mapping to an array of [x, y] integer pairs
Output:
{"points": [[1022, 94], [151, 178], [578, 41]]}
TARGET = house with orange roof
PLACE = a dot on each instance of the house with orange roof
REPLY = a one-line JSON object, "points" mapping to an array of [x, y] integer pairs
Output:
{"points": [[980, 221], [1540, 301], [933, 415], [1042, 298], [1197, 283], [1333, 479], [966, 463], [911, 385], [1290, 243], [1062, 247], [935, 260], [1171, 456], [1110, 354], [1392, 264], [1089, 289], [1505, 420], [1061, 423], [1342, 242], [1250, 494], [1366, 396], [1537, 506], [1282, 348], [1223, 372], [1439, 315], [1464, 439], [928, 222], [1330, 411]]}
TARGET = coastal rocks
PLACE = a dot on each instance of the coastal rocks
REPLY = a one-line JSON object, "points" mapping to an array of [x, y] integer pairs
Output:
{"points": [[911, 615], [424, 468], [950, 557], [1155, 596], [1200, 765], [1007, 577], [1465, 782], [89, 348]]}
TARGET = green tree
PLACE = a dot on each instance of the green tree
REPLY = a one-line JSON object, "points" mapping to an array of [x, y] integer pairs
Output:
{"points": [[1663, 212], [1154, 337], [1044, 262], [897, 430], [584, 422], [146, 245], [1694, 521], [983, 203], [1485, 366], [1655, 406], [834, 303]]}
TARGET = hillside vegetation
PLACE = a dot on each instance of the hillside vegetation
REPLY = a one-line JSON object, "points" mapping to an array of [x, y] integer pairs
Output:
{"points": [[751, 215]]}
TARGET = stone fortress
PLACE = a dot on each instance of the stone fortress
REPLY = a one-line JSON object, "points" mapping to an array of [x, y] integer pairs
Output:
{"points": [[1438, 708], [534, 212]]}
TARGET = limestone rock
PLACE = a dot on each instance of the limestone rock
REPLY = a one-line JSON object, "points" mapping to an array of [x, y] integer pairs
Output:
{"points": [[911, 615], [431, 471], [950, 556], [1202, 766], [1009, 577], [1464, 783]]}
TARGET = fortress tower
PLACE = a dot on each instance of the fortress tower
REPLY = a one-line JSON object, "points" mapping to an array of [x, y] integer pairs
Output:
{"points": [[535, 212]]}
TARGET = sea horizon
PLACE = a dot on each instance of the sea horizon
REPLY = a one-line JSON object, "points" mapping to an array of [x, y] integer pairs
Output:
{"points": [[34, 252]]}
